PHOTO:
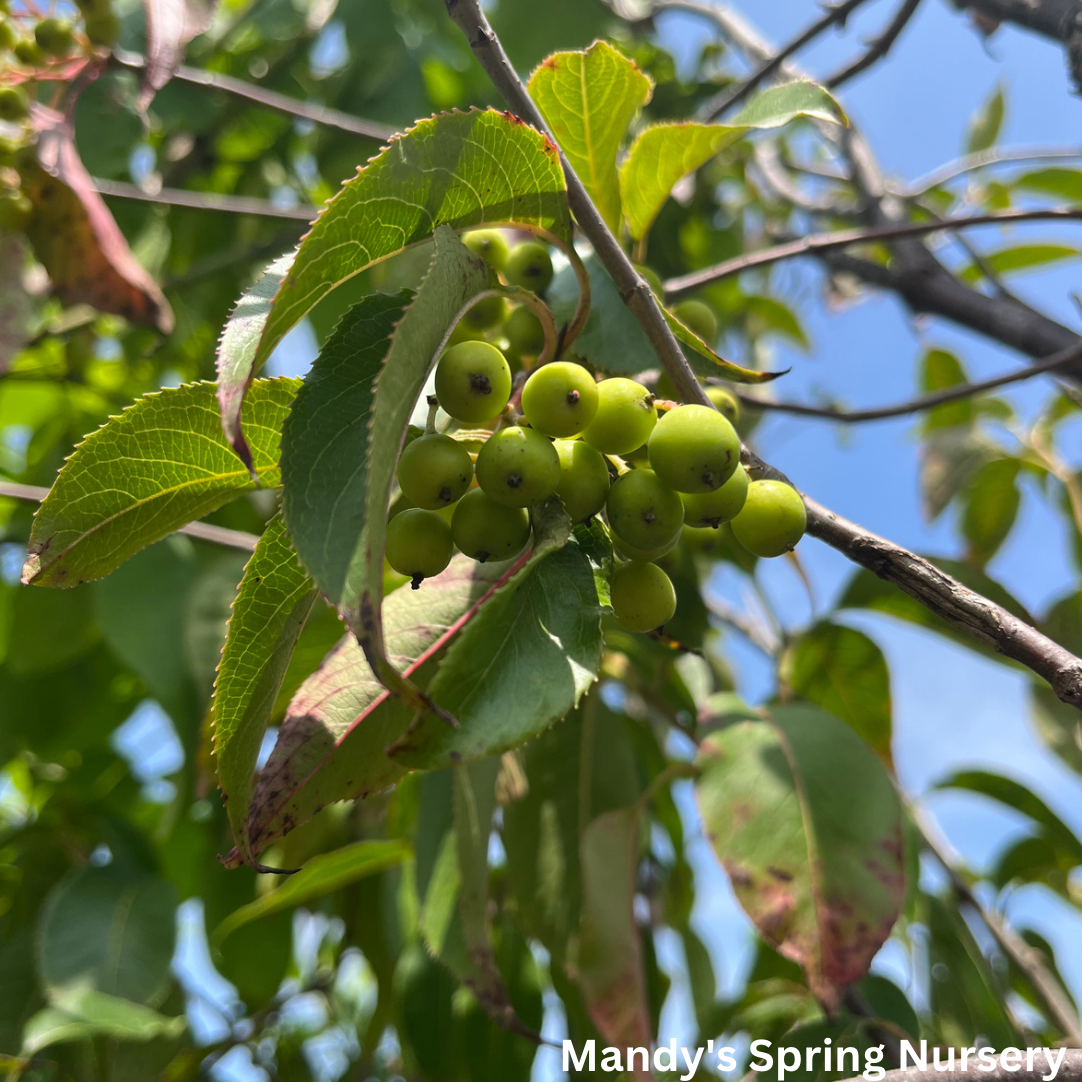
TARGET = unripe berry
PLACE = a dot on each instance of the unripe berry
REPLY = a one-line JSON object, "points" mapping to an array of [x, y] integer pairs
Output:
{"points": [[14, 104], [434, 471], [652, 279], [486, 530], [54, 36], [419, 544], [485, 314], [644, 511], [489, 244], [698, 318], [473, 381], [713, 508], [524, 332], [560, 399], [529, 265], [725, 402], [102, 28], [646, 556], [643, 597], [584, 479], [518, 467], [772, 520], [29, 53], [624, 419], [694, 449]]}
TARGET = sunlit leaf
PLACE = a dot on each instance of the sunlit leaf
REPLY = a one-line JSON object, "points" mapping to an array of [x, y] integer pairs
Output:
{"points": [[171, 24], [985, 124], [90, 1014], [990, 506]]}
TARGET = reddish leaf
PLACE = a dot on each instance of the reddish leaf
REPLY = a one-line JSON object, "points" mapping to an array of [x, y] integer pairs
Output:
{"points": [[171, 24], [75, 237]]}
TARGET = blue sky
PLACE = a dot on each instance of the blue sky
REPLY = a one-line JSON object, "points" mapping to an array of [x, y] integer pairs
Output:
{"points": [[953, 709]]}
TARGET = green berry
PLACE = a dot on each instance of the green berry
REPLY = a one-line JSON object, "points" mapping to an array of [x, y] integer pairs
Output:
{"points": [[529, 265], [518, 467], [694, 449], [29, 53], [713, 508], [698, 318], [14, 104], [54, 36], [560, 399], [644, 511], [486, 314], [102, 28], [653, 280], [15, 211], [8, 37], [419, 544], [463, 332], [473, 381], [434, 471], [647, 556], [772, 520], [643, 597], [489, 244], [524, 332], [725, 402], [584, 479], [486, 530], [624, 419]]}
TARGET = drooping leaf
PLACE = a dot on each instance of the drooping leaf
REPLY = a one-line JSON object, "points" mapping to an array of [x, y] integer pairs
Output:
{"points": [[990, 506], [456, 169], [89, 1013], [1053, 180], [321, 875], [107, 929], [610, 959], [75, 237], [950, 457], [339, 476], [525, 661], [843, 671], [332, 744], [939, 371], [272, 604], [664, 153], [171, 24], [818, 866], [588, 99], [161, 463], [985, 124], [1020, 257]]}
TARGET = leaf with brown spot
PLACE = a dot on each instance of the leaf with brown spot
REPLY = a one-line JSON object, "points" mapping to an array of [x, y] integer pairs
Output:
{"points": [[815, 854], [76, 238], [171, 24]]}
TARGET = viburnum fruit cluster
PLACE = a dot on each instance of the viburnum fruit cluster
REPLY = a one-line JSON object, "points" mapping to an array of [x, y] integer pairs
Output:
{"points": [[599, 446]]}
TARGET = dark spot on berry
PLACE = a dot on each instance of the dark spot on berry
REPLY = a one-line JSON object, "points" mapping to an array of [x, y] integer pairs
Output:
{"points": [[648, 515], [480, 384], [514, 480], [572, 398], [445, 494], [480, 557], [708, 480], [415, 582]]}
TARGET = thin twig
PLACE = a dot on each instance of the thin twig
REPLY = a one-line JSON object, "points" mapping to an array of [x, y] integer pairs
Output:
{"points": [[271, 99], [935, 590], [878, 48], [724, 100], [204, 531], [842, 238], [751, 629], [1026, 958], [924, 402], [1015, 1071], [231, 204], [984, 158]]}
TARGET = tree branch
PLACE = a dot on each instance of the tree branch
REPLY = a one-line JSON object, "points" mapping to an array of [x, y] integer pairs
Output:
{"points": [[230, 204], [1030, 961], [719, 103], [924, 402], [878, 48], [938, 592], [826, 242], [1070, 1068], [204, 531], [983, 158], [271, 99]]}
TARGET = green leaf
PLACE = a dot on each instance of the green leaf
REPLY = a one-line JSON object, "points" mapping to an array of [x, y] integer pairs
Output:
{"points": [[844, 672], [456, 169], [109, 930], [769, 314], [1055, 180], [588, 99], [939, 371], [160, 464], [662, 154], [985, 124], [990, 507], [526, 659], [339, 474], [950, 458], [89, 1013], [272, 604], [1020, 257], [322, 875], [610, 957], [818, 866], [332, 744], [1057, 724]]}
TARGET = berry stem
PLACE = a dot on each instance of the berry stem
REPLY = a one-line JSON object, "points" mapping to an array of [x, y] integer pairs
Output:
{"points": [[433, 409]]}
